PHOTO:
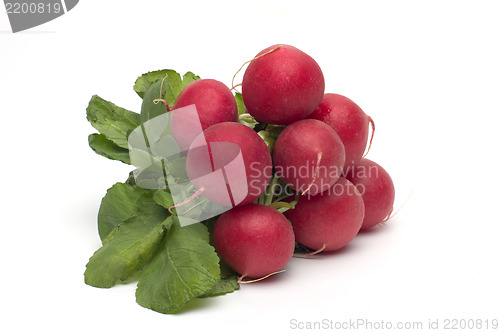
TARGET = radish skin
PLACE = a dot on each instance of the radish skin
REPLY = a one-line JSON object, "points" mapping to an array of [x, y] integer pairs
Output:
{"points": [[349, 121], [377, 189], [330, 219], [309, 156], [282, 86], [254, 240]]}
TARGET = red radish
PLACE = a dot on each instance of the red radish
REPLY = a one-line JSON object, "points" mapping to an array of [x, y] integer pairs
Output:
{"points": [[282, 86], [309, 156], [214, 104], [377, 189], [349, 121], [230, 164], [254, 240], [330, 219]]}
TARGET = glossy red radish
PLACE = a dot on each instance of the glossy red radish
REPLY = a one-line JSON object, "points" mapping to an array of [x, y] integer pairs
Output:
{"points": [[282, 86], [254, 240], [329, 220], [309, 156], [230, 164], [349, 121], [377, 189], [214, 104]]}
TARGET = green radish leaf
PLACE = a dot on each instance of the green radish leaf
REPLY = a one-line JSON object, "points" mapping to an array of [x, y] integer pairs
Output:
{"points": [[114, 122], [239, 102], [107, 148], [144, 81], [151, 106], [177, 168], [185, 267], [173, 83], [268, 139], [166, 85], [173, 86], [228, 281], [163, 198], [123, 202], [223, 286], [125, 251], [131, 179], [247, 120], [187, 79], [197, 230]]}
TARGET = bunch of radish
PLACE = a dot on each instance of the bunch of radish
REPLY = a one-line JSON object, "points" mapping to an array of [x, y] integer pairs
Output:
{"points": [[315, 152]]}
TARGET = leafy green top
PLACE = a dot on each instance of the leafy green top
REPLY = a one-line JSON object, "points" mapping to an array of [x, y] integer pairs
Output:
{"points": [[141, 240]]}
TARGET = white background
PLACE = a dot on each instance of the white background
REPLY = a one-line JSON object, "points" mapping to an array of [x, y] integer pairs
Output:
{"points": [[427, 72]]}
